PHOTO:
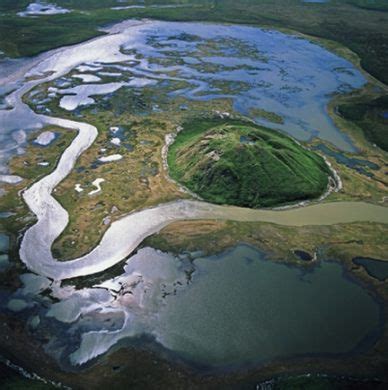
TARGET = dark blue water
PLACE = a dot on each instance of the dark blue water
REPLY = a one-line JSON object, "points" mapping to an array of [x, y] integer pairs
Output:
{"points": [[376, 268]]}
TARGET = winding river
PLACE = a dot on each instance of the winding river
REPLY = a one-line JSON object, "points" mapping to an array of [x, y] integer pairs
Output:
{"points": [[124, 235]]}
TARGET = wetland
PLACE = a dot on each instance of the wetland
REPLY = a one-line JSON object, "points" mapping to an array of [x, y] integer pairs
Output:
{"points": [[215, 294]]}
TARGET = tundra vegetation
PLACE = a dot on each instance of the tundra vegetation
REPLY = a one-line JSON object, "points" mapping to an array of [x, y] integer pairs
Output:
{"points": [[232, 162]]}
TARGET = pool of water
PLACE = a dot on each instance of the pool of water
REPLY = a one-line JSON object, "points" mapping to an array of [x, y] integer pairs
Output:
{"points": [[358, 164], [6, 214], [242, 308], [303, 255], [4, 243], [376, 268], [226, 311]]}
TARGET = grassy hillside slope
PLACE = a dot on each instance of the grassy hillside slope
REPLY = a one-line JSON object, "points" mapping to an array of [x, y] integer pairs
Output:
{"points": [[242, 164]]}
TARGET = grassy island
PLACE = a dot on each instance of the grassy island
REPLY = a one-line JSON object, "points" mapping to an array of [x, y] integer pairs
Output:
{"points": [[239, 163]]}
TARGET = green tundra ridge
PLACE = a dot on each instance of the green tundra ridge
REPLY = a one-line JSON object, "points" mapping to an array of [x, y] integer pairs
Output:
{"points": [[239, 163]]}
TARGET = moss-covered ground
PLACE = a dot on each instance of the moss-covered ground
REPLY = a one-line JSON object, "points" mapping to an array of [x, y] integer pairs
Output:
{"points": [[245, 165], [371, 116], [340, 241]]}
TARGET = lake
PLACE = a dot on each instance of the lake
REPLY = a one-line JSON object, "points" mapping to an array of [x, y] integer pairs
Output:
{"points": [[242, 308]]}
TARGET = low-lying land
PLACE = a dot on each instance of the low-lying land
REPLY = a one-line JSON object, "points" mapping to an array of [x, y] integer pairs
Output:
{"points": [[371, 116], [137, 181], [37, 162], [359, 24], [140, 180], [239, 163], [339, 241]]}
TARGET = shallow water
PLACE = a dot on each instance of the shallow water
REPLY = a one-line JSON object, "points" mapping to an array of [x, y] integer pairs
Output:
{"points": [[256, 68], [376, 268], [352, 162], [6, 214], [81, 95], [242, 308], [233, 309], [4, 243], [4, 262], [36, 9]]}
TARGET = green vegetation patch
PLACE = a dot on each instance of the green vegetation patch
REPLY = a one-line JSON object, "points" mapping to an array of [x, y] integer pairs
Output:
{"points": [[372, 117], [239, 163]]}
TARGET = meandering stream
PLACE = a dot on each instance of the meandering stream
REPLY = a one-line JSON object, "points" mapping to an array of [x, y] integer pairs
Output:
{"points": [[125, 235]]}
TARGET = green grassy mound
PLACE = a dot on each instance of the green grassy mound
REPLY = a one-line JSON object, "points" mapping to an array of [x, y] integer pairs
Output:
{"points": [[241, 164]]}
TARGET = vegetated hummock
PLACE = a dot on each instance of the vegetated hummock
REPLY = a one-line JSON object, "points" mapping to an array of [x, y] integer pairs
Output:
{"points": [[239, 163]]}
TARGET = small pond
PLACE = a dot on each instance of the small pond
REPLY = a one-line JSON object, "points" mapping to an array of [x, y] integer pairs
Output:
{"points": [[376, 268], [357, 164]]}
